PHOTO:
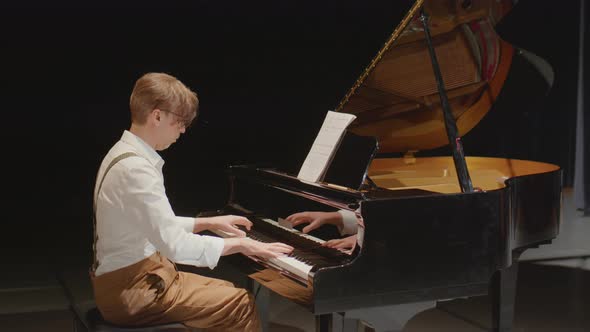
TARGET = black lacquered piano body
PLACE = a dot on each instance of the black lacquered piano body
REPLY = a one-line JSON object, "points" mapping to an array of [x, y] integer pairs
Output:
{"points": [[419, 244], [424, 239]]}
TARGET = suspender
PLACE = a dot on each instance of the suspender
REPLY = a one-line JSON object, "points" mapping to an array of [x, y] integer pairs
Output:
{"points": [[113, 162]]}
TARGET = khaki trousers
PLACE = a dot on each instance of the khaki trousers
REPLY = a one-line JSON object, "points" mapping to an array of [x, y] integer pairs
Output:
{"points": [[152, 291]]}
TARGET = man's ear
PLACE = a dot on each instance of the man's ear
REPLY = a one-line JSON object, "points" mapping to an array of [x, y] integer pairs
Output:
{"points": [[156, 116]]}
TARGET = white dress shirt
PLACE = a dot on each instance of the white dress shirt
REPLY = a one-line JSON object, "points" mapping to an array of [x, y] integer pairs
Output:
{"points": [[134, 218]]}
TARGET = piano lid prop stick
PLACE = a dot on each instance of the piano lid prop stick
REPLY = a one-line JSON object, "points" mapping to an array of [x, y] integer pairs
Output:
{"points": [[450, 125]]}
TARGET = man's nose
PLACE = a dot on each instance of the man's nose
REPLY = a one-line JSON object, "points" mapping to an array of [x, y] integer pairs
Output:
{"points": [[182, 129]]}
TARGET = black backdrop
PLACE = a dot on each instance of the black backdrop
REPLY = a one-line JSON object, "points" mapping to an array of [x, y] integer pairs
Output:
{"points": [[266, 73]]}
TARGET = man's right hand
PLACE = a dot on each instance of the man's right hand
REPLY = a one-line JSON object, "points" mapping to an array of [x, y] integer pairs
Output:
{"points": [[251, 247]]}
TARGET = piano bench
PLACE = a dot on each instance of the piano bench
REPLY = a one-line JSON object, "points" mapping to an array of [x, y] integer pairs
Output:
{"points": [[87, 318]]}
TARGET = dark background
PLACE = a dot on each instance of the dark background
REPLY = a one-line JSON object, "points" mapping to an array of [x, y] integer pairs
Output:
{"points": [[266, 73]]}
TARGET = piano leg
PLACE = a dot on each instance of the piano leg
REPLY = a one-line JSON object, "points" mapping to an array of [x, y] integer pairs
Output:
{"points": [[503, 294], [336, 322], [343, 324], [324, 323]]}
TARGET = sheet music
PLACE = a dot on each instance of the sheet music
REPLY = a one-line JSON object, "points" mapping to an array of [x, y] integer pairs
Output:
{"points": [[324, 146]]}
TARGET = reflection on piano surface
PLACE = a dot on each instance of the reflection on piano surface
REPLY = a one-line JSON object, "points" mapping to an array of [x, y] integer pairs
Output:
{"points": [[424, 239]]}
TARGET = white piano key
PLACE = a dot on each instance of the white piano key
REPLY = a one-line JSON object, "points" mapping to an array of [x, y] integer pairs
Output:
{"points": [[292, 265]]}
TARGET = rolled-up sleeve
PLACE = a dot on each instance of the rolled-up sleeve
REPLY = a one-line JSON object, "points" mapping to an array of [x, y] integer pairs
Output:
{"points": [[349, 222], [147, 204], [187, 223]]}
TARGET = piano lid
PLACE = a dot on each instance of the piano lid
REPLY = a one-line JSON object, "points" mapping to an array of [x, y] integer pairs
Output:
{"points": [[396, 98]]}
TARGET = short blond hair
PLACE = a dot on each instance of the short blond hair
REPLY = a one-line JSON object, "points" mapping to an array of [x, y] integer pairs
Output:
{"points": [[164, 92]]}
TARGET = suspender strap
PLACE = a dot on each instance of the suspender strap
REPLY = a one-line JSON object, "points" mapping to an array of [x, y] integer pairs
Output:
{"points": [[113, 162]]}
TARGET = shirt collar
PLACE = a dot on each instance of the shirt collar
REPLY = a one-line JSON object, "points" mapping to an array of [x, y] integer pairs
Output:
{"points": [[143, 148]]}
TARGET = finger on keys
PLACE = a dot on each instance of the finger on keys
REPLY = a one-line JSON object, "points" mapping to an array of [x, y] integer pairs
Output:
{"points": [[292, 216], [283, 247], [297, 216], [301, 220], [311, 227], [332, 243], [235, 231], [243, 221]]}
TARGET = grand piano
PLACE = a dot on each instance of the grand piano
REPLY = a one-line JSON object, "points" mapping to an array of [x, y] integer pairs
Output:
{"points": [[429, 236]]}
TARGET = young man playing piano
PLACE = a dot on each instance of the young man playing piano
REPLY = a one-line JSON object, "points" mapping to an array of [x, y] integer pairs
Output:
{"points": [[138, 236], [346, 221]]}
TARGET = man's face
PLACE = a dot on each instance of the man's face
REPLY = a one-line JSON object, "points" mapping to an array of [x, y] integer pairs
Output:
{"points": [[170, 129]]}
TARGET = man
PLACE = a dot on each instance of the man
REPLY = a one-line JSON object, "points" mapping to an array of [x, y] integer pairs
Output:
{"points": [[138, 236]]}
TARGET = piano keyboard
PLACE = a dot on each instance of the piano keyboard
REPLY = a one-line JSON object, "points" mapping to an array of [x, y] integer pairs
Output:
{"points": [[307, 254], [293, 230]]}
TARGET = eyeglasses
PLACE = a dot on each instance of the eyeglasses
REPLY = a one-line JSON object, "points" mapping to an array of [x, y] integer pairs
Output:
{"points": [[183, 120]]}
